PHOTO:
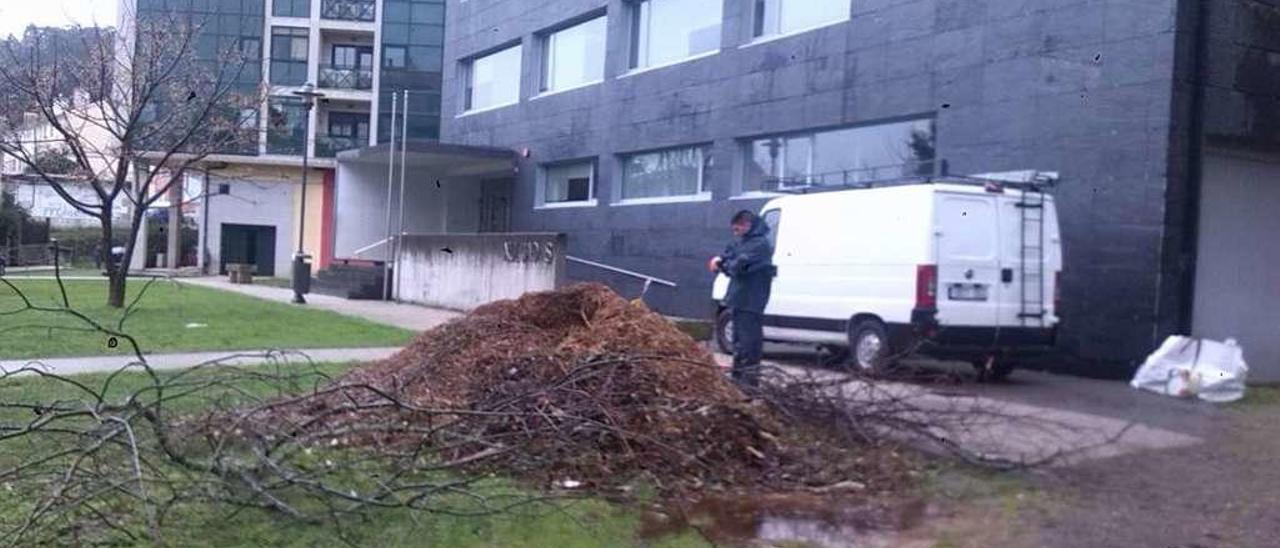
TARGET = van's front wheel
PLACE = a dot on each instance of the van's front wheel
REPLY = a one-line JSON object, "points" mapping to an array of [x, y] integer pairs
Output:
{"points": [[869, 349], [724, 331]]}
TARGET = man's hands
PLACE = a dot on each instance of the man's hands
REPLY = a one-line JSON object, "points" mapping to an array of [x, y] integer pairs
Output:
{"points": [[713, 265]]}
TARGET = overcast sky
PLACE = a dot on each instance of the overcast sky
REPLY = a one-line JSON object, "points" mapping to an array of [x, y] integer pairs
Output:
{"points": [[15, 15]]}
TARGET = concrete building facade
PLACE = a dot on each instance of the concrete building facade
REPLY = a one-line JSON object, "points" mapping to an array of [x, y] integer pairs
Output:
{"points": [[657, 140]]}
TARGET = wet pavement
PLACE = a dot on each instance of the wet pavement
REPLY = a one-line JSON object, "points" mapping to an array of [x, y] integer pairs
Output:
{"points": [[1034, 418]]}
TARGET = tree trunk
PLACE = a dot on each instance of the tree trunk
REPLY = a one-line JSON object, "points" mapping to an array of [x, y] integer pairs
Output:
{"points": [[120, 278], [116, 287], [117, 273]]}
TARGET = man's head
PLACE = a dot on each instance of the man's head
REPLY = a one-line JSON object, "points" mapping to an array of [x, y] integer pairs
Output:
{"points": [[741, 223]]}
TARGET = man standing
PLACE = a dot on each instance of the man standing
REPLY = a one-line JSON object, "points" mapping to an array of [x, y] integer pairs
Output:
{"points": [[748, 262]]}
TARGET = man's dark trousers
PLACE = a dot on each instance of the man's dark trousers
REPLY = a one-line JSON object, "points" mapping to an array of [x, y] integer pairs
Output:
{"points": [[748, 346]]}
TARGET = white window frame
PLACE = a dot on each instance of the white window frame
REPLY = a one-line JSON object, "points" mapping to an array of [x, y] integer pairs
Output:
{"points": [[747, 156], [702, 195], [767, 35], [548, 60], [469, 73], [640, 21], [543, 179]]}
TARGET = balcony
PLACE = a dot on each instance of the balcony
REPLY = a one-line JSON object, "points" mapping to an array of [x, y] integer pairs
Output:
{"points": [[328, 146], [349, 10], [346, 78]]}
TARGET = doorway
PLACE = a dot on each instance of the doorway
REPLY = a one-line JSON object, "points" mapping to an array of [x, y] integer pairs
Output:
{"points": [[249, 244], [495, 205]]}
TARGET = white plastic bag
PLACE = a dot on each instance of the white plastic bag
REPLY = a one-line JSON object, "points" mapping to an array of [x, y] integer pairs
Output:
{"points": [[1187, 367]]}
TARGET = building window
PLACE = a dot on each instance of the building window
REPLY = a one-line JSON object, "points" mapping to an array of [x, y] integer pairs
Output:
{"points": [[574, 56], [677, 172], [291, 8], [351, 125], [290, 50], [666, 31], [569, 183], [394, 57], [351, 57], [840, 157], [494, 80], [774, 17]]}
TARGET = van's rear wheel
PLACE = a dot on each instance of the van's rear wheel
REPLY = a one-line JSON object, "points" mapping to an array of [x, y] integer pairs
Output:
{"points": [[869, 348], [997, 370], [724, 331]]}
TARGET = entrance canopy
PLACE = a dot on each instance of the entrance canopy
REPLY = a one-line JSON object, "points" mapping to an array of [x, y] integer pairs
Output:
{"points": [[438, 159], [446, 189]]}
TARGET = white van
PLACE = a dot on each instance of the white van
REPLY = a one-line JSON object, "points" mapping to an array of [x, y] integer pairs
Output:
{"points": [[951, 268]]}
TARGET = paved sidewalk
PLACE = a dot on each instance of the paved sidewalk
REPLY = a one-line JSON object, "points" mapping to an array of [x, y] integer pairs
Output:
{"points": [[102, 364], [999, 428], [407, 316]]}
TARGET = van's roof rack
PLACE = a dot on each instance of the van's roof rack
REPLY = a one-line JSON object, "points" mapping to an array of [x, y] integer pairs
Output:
{"points": [[1032, 180]]}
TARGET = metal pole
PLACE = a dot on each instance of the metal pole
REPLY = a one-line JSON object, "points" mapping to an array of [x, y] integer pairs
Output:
{"points": [[404, 168], [302, 218], [301, 270], [204, 229], [391, 177], [299, 256]]}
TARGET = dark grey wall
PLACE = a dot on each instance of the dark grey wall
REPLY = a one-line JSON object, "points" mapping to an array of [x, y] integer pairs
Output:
{"points": [[1083, 87], [1242, 76]]}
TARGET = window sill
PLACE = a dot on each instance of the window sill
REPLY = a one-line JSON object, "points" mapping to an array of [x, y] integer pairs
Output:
{"points": [[487, 109], [569, 205], [758, 195], [643, 70], [550, 93], [700, 197], [789, 34]]}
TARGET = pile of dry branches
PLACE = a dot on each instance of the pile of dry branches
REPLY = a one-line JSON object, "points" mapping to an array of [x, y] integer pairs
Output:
{"points": [[576, 389]]}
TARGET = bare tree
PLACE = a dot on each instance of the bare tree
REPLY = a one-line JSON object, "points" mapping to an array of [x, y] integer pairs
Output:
{"points": [[152, 102]]}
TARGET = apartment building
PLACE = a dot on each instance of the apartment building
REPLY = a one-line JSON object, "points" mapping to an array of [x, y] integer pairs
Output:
{"points": [[357, 54]]}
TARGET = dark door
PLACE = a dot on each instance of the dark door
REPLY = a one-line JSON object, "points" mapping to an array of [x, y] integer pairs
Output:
{"points": [[249, 244], [495, 205]]}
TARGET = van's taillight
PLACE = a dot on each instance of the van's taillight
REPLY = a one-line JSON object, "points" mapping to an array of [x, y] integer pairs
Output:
{"points": [[1057, 293], [927, 286]]}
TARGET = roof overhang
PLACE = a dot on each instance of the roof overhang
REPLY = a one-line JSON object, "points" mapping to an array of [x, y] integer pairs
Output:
{"points": [[441, 159]]}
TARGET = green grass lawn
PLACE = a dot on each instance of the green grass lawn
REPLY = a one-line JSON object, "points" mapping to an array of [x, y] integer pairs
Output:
{"points": [[66, 273], [563, 524], [173, 317]]}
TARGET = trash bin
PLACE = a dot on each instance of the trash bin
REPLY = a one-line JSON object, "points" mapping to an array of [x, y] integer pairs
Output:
{"points": [[302, 274]]}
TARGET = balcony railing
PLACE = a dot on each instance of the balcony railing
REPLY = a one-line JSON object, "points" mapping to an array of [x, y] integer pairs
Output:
{"points": [[328, 146], [349, 10], [346, 78], [285, 143]]}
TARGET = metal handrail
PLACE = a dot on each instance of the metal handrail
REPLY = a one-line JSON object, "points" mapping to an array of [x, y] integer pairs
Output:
{"points": [[372, 246], [648, 280]]}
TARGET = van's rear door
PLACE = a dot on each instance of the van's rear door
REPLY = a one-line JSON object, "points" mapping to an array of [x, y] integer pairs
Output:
{"points": [[968, 256], [1031, 255]]}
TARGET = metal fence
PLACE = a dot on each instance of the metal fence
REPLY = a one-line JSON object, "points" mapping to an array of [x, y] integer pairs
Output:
{"points": [[349, 10]]}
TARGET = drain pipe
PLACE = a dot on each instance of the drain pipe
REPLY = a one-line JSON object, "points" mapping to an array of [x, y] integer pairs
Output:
{"points": [[1195, 169]]}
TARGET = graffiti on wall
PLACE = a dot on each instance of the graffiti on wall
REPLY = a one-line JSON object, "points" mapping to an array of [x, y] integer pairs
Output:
{"points": [[529, 252]]}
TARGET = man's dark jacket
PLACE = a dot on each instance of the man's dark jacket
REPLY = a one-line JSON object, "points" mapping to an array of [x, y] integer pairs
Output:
{"points": [[749, 264]]}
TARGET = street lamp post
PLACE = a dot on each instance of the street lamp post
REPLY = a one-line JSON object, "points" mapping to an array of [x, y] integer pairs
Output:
{"points": [[301, 268]]}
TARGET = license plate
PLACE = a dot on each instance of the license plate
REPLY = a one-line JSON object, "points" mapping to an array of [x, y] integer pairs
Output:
{"points": [[967, 292]]}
